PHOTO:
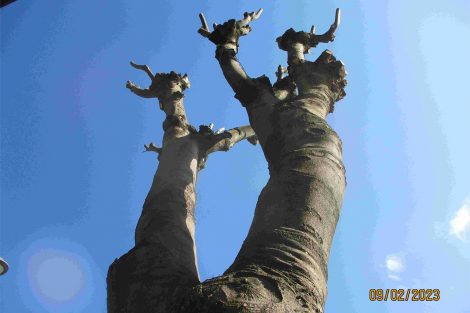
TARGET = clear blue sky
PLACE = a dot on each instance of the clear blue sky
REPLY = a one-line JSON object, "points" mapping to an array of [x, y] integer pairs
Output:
{"points": [[73, 178]]}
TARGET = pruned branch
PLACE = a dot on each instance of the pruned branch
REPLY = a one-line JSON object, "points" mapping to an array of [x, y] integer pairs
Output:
{"points": [[313, 30], [297, 43], [226, 37], [152, 148], [143, 67], [221, 140], [248, 17], [281, 70], [329, 35], [163, 84], [226, 140], [144, 93], [204, 30], [230, 31], [284, 87], [337, 17]]}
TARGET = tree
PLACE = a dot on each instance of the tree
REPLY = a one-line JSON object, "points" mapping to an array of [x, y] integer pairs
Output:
{"points": [[282, 264]]}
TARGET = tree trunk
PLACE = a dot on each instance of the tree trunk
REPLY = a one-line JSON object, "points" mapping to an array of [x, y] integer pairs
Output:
{"points": [[164, 256], [282, 265]]}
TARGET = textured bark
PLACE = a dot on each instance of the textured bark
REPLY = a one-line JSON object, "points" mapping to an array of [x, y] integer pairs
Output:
{"points": [[164, 256], [282, 265]]}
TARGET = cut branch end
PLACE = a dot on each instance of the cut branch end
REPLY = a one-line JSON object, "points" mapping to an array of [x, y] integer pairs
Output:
{"points": [[338, 17], [204, 30], [152, 148]]}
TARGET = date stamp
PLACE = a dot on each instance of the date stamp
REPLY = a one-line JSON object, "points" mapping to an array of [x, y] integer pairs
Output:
{"points": [[404, 294]]}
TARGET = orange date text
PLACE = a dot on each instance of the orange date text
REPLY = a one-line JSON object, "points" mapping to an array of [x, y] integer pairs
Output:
{"points": [[404, 294]]}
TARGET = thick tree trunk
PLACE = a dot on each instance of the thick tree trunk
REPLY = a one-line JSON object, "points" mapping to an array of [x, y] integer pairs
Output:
{"points": [[164, 257], [282, 265], [290, 238]]}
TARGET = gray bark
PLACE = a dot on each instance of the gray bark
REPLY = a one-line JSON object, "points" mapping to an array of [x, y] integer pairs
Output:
{"points": [[282, 265], [164, 255]]}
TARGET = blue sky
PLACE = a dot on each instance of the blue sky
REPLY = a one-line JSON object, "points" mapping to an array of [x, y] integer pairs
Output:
{"points": [[73, 178]]}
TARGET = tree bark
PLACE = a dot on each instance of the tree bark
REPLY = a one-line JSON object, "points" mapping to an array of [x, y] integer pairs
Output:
{"points": [[164, 256], [282, 265]]}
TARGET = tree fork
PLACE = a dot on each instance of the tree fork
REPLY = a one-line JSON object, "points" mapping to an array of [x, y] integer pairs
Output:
{"points": [[164, 256], [282, 265]]}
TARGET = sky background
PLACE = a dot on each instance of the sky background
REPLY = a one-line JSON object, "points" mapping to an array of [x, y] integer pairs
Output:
{"points": [[73, 178]]}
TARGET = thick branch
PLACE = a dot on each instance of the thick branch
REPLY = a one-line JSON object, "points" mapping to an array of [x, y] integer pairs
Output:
{"points": [[226, 37], [222, 140], [233, 71], [226, 140]]}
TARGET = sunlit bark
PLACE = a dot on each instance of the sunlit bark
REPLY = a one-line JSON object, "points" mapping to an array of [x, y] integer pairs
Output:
{"points": [[164, 256], [282, 265]]}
